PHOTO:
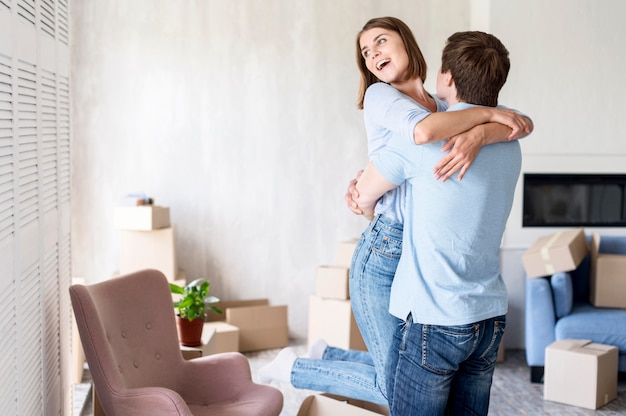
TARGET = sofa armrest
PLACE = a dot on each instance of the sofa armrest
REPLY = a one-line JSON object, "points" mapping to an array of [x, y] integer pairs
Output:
{"points": [[562, 294], [540, 319]]}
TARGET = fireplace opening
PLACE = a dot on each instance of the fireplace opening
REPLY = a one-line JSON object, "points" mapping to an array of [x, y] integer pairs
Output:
{"points": [[555, 200]]}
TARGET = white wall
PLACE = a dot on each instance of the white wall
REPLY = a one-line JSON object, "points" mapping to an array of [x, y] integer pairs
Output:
{"points": [[241, 117], [568, 63]]}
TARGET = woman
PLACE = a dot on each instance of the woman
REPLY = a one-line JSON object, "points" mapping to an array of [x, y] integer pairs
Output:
{"points": [[399, 105]]}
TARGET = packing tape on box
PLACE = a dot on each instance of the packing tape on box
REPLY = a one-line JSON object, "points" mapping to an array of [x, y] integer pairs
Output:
{"points": [[545, 253], [545, 250]]}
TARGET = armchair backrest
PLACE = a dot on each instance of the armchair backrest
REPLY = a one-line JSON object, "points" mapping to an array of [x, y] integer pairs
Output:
{"points": [[128, 331]]}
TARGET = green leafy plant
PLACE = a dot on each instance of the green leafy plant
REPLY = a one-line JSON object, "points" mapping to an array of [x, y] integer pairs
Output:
{"points": [[194, 300]]}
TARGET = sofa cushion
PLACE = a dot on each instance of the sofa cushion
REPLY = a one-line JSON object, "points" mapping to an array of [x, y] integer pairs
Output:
{"points": [[563, 293], [601, 325]]}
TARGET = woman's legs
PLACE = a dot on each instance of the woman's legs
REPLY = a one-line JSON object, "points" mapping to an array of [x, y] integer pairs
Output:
{"points": [[351, 373], [372, 270], [344, 378], [339, 354]]}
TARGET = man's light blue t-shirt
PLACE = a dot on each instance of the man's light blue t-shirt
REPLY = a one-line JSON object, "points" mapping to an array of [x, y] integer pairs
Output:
{"points": [[449, 271], [387, 113]]}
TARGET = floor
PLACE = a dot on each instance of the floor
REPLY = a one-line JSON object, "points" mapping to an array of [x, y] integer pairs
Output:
{"points": [[512, 393]]}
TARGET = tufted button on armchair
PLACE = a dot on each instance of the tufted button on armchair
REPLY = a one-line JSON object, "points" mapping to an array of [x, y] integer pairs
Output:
{"points": [[128, 331]]}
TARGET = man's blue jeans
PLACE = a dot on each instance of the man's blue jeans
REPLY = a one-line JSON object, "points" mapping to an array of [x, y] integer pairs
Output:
{"points": [[443, 370], [358, 374]]}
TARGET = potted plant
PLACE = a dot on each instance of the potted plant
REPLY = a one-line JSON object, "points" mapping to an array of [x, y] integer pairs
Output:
{"points": [[191, 309]]}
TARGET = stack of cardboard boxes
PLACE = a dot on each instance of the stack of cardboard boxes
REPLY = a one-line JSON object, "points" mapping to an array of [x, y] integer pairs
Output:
{"points": [[148, 242], [579, 372], [330, 311]]}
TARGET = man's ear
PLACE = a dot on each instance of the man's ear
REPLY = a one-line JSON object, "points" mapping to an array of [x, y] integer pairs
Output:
{"points": [[448, 78]]}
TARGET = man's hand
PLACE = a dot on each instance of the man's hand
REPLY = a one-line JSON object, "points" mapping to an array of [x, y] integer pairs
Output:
{"points": [[352, 195]]}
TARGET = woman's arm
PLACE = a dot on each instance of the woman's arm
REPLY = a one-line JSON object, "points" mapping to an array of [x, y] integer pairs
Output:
{"points": [[442, 125], [463, 148], [369, 188], [394, 111]]}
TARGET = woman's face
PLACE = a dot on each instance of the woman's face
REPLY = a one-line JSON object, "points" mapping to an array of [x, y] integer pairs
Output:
{"points": [[384, 54]]}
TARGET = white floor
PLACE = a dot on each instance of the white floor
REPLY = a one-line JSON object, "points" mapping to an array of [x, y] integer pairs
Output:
{"points": [[512, 392]]}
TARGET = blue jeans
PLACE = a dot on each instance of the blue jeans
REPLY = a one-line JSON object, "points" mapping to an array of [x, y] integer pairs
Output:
{"points": [[373, 268], [358, 374], [443, 370]]}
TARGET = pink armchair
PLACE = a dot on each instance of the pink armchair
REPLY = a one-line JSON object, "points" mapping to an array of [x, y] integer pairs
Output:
{"points": [[128, 331]]}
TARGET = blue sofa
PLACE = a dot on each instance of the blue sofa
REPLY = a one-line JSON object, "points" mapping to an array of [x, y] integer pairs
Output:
{"points": [[557, 307]]}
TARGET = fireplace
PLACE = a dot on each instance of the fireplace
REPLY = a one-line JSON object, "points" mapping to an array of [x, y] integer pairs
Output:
{"points": [[566, 200]]}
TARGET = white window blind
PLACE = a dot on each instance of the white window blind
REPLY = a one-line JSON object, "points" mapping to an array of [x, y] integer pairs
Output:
{"points": [[35, 230]]}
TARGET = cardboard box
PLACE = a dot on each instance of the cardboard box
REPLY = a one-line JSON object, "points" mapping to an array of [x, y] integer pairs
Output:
{"points": [[345, 250], [331, 405], [223, 305], [260, 327], [560, 252], [333, 321], [189, 353], [580, 373], [154, 249], [333, 282], [142, 217], [608, 277], [219, 337]]}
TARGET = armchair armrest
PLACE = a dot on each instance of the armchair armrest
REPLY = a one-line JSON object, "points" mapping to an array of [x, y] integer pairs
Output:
{"points": [[228, 374], [540, 319], [150, 401]]}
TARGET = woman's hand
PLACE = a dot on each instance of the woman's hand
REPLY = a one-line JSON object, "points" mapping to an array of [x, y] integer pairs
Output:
{"points": [[462, 150], [520, 125], [352, 195]]}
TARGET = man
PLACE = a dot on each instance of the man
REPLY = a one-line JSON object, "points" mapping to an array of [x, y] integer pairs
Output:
{"points": [[448, 286]]}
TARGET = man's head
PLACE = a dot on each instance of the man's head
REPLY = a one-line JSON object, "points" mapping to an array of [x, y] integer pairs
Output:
{"points": [[477, 65]]}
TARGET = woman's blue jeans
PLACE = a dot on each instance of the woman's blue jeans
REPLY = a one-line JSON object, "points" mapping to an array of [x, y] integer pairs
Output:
{"points": [[444, 370], [358, 374]]}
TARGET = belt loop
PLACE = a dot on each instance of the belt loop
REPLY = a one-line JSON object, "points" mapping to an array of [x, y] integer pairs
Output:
{"points": [[374, 222]]}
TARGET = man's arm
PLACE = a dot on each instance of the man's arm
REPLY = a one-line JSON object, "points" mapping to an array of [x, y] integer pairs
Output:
{"points": [[370, 187]]}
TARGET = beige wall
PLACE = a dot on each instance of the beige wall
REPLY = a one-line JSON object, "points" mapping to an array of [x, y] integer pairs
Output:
{"points": [[240, 116]]}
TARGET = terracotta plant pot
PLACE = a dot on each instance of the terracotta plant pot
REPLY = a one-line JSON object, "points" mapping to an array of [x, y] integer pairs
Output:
{"points": [[190, 332]]}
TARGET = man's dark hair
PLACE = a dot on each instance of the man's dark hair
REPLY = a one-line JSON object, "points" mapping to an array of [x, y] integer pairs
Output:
{"points": [[479, 64]]}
